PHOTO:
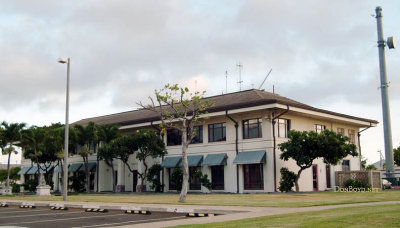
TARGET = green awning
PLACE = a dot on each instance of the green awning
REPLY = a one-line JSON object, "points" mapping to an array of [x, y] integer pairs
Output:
{"points": [[215, 159], [44, 168], [33, 170], [251, 157], [74, 167], [193, 161], [92, 165], [59, 169], [171, 162], [24, 170]]}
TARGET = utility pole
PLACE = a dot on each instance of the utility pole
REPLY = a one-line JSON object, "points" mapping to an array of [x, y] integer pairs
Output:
{"points": [[387, 129]]}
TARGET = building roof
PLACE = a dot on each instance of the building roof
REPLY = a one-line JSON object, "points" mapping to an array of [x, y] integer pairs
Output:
{"points": [[229, 101]]}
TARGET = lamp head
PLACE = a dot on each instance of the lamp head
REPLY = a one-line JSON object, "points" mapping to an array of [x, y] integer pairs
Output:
{"points": [[391, 42], [63, 60]]}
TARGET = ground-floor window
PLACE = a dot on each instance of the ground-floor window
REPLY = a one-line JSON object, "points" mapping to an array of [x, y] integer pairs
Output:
{"points": [[253, 177], [217, 177], [171, 183], [194, 180]]}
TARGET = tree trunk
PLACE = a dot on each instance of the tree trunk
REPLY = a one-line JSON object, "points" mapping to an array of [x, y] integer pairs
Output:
{"points": [[297, 179], [185, 181], [113, 177], [87, 174], [143, 176], [38, 173], [8, 171]]}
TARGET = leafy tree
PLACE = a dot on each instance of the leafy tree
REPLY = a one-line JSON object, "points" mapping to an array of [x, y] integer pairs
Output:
{"points": [[180, 109], [364, 163], [149, 144], [123, 147], [153, 177], [105, 134], [396, 156], [370, 167], [13, 174], [106, 153], [304, 147], [10, 135], [77, 182], [86, 138], [287, 180]]}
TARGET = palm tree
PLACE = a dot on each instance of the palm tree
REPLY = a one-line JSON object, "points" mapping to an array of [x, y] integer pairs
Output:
{"points": [[10, 135], [32, 142], [86, 137]]}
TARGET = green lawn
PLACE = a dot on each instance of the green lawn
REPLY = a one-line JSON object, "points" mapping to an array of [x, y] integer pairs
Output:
{"points": [[363, 216], [260, 200]]}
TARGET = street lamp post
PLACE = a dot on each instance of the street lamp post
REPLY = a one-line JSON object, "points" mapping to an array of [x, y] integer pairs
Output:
{"points": [[65, 177]]}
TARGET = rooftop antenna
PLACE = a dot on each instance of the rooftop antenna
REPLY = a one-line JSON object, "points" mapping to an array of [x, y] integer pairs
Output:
{"points": [[226, 81], [265, 79], [240, 66]]}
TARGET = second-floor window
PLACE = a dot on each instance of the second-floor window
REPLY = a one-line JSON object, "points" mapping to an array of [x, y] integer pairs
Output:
{"points": [[340, 130], [319, 128], [252, 128], [352, 136], [217, 132], [174, 137], [198, 134], [283, 128]]}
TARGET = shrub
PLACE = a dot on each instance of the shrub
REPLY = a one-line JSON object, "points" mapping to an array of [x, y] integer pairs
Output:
{"points": [[153, 176], [30, 185], [176, 178], [15, 187], [78, 182], [287, 180], [355, 184], [203, 179]]}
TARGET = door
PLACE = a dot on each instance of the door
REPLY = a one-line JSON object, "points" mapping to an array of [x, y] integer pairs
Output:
{"points": [[315, 177], [135, 179], [328, 176]]}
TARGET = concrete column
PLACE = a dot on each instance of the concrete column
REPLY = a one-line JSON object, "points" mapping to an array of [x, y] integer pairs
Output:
{"points": [[121, 177]]}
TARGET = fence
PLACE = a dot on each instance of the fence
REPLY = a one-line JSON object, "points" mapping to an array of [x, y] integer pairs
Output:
{"points": [[367, 177]]}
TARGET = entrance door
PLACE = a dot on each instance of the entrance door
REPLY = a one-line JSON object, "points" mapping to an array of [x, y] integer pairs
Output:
{"points": [[328, 176], [135, 180], [315, 177]]}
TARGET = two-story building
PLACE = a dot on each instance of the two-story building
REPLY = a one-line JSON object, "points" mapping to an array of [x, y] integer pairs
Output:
{"points": [[237, 146]]}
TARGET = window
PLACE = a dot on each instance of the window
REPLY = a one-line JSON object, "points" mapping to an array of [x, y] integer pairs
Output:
{"points": [[174, 137], [283, 128], [171, 183], [194, 180], [217, 132], [352, 136], [252, 128], [253, 177], [319, 128], [346, 165], [198, 134], [217, 177], [340, 130]]}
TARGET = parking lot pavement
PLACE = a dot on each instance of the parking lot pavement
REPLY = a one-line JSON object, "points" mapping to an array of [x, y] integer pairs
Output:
{"points": [[76, 217]]}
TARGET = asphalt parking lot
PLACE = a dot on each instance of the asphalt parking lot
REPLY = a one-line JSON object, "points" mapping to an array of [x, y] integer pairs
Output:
{"points": [[14, 216]]}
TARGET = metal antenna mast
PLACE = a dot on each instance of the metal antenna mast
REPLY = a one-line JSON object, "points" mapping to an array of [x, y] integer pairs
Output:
{"points": [[265, 79], [387, 129], [226, 81], [240, 66]]}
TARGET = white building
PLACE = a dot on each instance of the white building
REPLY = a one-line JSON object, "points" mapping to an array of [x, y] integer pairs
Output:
{"points": [[237, 146]]}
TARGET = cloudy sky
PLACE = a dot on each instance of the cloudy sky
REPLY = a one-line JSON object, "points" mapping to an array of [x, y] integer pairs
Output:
{"points": [[322, 53]]}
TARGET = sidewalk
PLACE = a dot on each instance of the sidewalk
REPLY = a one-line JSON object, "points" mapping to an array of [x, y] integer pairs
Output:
{"points": [[228, 212]]}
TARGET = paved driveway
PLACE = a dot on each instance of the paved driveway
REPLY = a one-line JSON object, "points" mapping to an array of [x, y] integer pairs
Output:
{"points": [[76, 217]]}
